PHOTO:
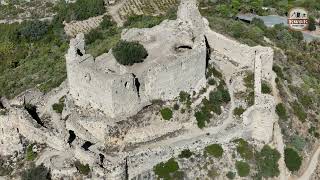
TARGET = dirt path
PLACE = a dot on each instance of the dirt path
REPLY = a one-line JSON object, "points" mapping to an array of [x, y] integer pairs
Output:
{"points": [[311, 166], [114, 12]]}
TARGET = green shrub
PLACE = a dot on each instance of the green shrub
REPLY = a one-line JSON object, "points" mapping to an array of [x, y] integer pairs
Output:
{"points": [[259, 23], [165, 170], [83, 169], [30, 156], [185, 154], [166, 113], [214, 150], [84, 9], [128, 53], [58, 107], [305, 100], [107, 22], [278, 70], [312, 24], [265, 88], [314, 131], [267, 162], [220, 96], [299, 111], [184, 96], [244, 149], [238, 111], [243, 168], [34, 30], [249, 80], [292, 159], [298, 142], [36, 173], [201, 118], [281, 111], [231, 175], [93, 35], [213, 72]]}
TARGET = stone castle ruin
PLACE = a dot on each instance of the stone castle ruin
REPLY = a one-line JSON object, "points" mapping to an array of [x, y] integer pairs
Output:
{"points": [[103, 123], [176, 62]]}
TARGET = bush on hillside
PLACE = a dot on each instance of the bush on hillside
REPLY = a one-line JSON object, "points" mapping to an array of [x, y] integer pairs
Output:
{"points": [[265, 88], [185, 154], [128, 53], [243, 168], [84, 9], [281, 111], [238, 111], [214, 150], [36, 172], [312, 24], [299, 111], [267, 160], [83, 169], [166, 113], [292, 159], [298, 142], [231, 175], [33, 30], [244, 149], [30, 155], [165, 169]]}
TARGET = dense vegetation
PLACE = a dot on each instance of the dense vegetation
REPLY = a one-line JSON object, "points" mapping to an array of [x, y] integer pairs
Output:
{"points": [[243, 168], [128, 53], [167, 170], [267, 162], [166, 113], [58, 107], [292, 159], [80, 10], [185, 154], [36, 172], [217, 98], [30, 155], [214, 150], [31, 54], [244, 149], [83, 169], [281, 111]]}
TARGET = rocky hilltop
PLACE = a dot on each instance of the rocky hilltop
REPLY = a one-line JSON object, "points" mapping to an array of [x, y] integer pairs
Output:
{"points": [[110, 116]]}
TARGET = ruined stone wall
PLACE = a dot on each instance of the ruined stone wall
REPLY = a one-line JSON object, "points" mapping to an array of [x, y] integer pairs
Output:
{"points": [[92, 87], [176, 62]]}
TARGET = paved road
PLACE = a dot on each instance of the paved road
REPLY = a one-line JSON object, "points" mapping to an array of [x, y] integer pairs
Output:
{"points": [[272, 20]]}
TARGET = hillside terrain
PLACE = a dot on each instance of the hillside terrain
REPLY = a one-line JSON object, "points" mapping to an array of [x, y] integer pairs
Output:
{"points": [[147, 89]]}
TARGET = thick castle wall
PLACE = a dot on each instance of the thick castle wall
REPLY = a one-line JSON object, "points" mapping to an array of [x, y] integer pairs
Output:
{"points": [[176, 62]]}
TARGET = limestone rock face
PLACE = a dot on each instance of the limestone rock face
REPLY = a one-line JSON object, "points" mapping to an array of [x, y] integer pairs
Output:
{"points": [[176, 62]]}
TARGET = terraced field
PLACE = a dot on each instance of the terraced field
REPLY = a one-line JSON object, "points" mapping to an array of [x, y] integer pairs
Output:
{"points": [[147, 7]]}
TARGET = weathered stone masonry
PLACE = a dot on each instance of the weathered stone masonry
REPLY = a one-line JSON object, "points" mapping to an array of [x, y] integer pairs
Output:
{"points": [[176, 62]]}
